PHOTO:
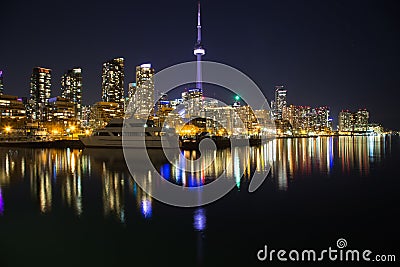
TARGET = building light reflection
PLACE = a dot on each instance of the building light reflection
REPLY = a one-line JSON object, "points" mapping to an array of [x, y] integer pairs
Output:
{"points": [[1, 203], [236, 169], [53, 174], [113, 194], [165, 171], [329, 155], [7, 165], [145, 208], [45, 193]]}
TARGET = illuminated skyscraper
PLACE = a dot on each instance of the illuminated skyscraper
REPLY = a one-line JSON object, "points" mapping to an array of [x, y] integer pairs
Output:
{"points": [[129, 107], [113, 81], [361, 119], [131, 90], [299, 117], [71, 88], [193, 101], [102, 113], [1, 82], [346, 121], [354, 122], [39, 93], [280, 102], [192, 94], [61, 110], [85, 118], [322, 120], [143, 98], [12, 111]]}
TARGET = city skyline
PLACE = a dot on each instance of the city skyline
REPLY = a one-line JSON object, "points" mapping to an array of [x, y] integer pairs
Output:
{"points": [[126, 126], [320, 55], [71, 94]]}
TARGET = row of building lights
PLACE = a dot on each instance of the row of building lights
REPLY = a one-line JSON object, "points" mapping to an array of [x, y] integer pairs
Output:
{"points": [[291, 120]]}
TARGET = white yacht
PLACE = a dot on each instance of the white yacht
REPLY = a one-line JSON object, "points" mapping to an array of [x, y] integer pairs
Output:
{"points": [[133, 132]]}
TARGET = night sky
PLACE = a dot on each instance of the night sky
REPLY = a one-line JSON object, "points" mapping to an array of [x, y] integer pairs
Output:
{"points": [[344, 54]]}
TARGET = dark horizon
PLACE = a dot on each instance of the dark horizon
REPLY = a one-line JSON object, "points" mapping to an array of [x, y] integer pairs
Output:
{"points": [[340, 54]]}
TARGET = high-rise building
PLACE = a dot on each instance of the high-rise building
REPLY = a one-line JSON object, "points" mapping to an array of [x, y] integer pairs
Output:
{"points": [[131, 90], [85, 118], [322, 119], [299, 117], [71, 88], [61, 110], [164, 108], [346, 121], [361, 119], [129, 107], [248, 119], [1, 82], [354, 122], [280, 102], [113, 81], [193, 101], [223, 120], [192, 94], [163, 102], [143, 97], [39, 93], [12, 111], [103, 112]]}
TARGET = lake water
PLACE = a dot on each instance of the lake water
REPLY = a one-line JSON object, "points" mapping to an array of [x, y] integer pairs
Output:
{"points": [[65, 207]]}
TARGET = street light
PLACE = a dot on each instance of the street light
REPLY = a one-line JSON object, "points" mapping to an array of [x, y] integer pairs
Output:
{"points": [[8, 129], [72, 129]]}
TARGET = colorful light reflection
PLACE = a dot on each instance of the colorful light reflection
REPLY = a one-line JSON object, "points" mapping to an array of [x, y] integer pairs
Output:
{"points": [[1, 203], [200, 220], [145, 207]]}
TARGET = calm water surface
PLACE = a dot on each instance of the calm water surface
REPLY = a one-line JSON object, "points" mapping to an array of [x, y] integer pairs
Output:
{"points": [[82, 208]]}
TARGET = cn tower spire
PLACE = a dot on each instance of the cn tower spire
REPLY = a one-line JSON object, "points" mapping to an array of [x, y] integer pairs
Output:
{"points": [[199, 51], [198, 24]]}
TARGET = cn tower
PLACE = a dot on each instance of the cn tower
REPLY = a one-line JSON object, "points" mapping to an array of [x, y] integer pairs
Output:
{"points": [[199, 51]]}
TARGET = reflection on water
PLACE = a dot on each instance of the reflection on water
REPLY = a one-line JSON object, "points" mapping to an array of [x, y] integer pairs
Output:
{"points": [[199, 219], [113, 193], [1, 203], [308, 156], [229, 163], [50, 168], [199, 225], [66, 175], [72, 193]]}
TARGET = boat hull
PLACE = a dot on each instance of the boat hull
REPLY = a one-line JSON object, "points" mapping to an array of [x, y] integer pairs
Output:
{"points": [[116, 142]]}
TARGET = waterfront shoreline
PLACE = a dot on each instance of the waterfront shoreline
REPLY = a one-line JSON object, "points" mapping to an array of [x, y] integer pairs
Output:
{"points": [[187, 146], [44, 144]]}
